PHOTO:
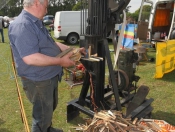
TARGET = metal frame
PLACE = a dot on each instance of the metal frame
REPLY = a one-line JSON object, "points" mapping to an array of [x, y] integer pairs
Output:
{"points": [[100, 20]]}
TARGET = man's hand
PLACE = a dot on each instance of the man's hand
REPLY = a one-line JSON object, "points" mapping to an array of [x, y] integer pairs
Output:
{"points": [[65, 61]]}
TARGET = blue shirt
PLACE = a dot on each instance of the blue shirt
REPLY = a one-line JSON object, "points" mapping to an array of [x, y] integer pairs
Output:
{"points": [[28, 36]]}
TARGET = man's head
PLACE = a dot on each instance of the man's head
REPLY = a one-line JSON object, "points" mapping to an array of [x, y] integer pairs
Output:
{"points": [[38, 8]]}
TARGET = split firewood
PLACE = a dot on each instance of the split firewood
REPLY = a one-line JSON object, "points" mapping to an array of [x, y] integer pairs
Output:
{"points": [[91, 125], [102, 129], [121, 124], [112, 121], [119, 127], [110, 113], [135, 120], [125, 121], [111, 128], [153, 126]]}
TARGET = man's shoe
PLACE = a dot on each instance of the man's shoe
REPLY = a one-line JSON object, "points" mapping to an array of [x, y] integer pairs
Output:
{"points": [[55, 130]]}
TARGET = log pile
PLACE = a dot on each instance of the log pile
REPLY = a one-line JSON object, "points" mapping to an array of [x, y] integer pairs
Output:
{"points": [[113, 121]]}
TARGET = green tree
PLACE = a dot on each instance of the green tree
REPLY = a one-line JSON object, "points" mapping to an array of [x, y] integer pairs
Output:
{"points": [[145, 13], [77, 6], [80, 5], [127, 9], [54, 6], [13, 8], [67, 5]]}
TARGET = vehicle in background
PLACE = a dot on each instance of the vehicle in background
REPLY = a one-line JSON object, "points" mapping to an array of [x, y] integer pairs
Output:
{"points": [[161, 20], [51, 26], [6, 24], [5, 21], [48, 19], [67, 26]]}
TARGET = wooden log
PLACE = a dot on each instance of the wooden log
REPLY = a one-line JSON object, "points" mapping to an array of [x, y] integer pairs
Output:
{"points": [[111, 128], [125, 121], [135, 120], [102, 129], [119, 127]]}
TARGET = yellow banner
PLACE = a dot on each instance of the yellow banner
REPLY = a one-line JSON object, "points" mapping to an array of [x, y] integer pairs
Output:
{"points": [[165, 58]]}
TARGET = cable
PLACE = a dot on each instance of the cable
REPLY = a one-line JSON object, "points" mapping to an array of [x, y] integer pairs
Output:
{"points": [[92, 94]]}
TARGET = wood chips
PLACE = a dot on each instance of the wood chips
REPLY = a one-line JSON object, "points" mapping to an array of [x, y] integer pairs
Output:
{"points": [[112, 121]]}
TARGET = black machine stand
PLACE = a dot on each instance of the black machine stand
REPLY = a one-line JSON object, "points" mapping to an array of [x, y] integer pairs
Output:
{"points": [[96, 23]]}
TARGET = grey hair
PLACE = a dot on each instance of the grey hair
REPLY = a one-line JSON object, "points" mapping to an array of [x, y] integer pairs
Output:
{"points": [[28, 3]]}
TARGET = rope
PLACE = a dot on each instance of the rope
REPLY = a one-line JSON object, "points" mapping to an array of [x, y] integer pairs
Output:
{"points": [[92, 94], [23, 115]]}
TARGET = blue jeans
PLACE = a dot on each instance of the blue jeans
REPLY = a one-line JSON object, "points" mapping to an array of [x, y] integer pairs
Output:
{"points": [[44, 97], [2, 35]]}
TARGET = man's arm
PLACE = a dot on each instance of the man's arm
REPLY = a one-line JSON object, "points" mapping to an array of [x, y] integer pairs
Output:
{"points": [[62, 46], [39, 59]]}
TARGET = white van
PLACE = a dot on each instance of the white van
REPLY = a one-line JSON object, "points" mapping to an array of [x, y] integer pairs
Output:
{"points": [[67, 26], [161, 21]]}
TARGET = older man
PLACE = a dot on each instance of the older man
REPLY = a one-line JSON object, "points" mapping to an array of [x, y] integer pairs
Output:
{"points": [[40, 70]]}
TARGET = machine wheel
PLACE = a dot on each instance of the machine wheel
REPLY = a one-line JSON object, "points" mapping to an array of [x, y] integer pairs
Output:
{"points": [[123, 78], [72, 38]]}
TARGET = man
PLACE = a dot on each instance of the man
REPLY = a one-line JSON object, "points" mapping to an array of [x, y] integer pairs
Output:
{"points": [[1, 28], [34, 53]]}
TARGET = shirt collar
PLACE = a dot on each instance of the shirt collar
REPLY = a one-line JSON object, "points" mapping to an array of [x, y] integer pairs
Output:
{"points": [[33, 18]]}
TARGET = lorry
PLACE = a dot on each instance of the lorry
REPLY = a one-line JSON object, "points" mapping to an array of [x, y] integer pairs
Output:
{"points": [[161, 21], [67, 26]]}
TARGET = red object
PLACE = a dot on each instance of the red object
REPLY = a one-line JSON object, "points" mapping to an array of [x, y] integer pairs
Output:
{"points": [[164, 34], [80, 67], [59, 28]]}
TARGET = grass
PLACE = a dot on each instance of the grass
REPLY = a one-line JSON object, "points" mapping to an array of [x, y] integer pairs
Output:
{"points": [[162, 90]]}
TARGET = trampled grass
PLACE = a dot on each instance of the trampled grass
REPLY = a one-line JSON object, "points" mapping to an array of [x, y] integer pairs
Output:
{"points": [[162, 90]]}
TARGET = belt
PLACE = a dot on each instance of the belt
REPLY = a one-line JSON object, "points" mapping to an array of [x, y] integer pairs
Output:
{"points": [[59, 78]]}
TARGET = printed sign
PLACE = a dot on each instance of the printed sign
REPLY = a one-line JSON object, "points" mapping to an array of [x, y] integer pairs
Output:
{"points": [[165, 58]]}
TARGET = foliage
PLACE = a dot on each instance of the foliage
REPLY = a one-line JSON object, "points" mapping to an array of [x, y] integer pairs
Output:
{"points": [[127, 9], [145, 13], [146, 8], [68, 4], [134, 16], [77, 7], [14, 7]]}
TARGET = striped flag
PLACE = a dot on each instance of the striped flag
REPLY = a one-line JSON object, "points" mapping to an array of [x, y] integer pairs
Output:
{"points": [[128, 39]]}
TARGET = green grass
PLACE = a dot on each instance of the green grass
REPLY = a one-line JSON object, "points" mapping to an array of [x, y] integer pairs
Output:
{"points": [[162, 90]]}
